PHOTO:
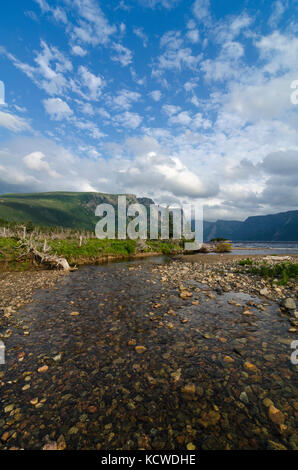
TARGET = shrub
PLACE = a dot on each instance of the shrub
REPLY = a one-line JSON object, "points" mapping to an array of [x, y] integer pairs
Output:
{"points": [[246, 262], [282, 271], [223, 247]]}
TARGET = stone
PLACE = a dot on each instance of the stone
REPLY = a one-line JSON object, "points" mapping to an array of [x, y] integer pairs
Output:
{"points": [[191, 446], [244, 398], [8, 408], [276, 446], [5, 436], [264, 291], [289, 304], [229, 359], [251, 367], [267, 402], [50, 446], [61, 444], [276, 415], [189, 389], [176, 375], [140, 349], [73, 430], [92, 409], [42, 369]]}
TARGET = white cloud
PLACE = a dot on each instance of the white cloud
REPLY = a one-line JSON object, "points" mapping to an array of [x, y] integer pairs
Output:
{"points": [[13, 123], [125, 99], [193, 35], [201, 9], [164, 175], [50, 69], [140, 33], [124, 55], [92, 82], [92, 26], [170, 109], [128, 119], [156, 95], [79, 51], [36, 161], [278, 9], [57, 109], [183, 119], [175, 55], [226, 65], [165, 3], [90, 127], [58, 13]]}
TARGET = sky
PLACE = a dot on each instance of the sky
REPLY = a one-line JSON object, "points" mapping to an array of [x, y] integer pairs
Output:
{"points": [[181, 101]]}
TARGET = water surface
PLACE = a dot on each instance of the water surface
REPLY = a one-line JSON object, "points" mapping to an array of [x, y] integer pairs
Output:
{"points": [[190, 385]]}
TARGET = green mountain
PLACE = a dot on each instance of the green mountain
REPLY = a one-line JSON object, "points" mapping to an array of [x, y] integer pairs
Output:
{"points": [[64, 209], [76, 210], [274, 227]]}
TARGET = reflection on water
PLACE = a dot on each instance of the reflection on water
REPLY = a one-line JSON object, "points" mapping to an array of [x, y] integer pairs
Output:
{"points": [[129, 365]]}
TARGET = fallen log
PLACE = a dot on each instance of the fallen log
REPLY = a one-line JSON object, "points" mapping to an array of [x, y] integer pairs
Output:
{"points": [[51, 261]]}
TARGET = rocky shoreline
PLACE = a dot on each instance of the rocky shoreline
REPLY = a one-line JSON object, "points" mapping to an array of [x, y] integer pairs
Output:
{"points": [[18, 288], [148, 355]]}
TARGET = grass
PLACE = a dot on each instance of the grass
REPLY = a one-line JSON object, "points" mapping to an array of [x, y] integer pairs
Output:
{"points": [[246, 262], [9, 248], [284, 272], [91, 250], [223, 247]]}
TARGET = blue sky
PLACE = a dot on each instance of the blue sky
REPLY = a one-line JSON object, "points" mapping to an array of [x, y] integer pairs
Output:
{"points": [[182, 101]]}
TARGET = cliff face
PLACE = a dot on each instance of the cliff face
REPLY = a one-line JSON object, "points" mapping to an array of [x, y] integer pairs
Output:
{"points": [[275, 227]]}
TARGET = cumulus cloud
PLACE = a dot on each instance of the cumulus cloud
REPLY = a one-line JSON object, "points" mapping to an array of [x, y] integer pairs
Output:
{"points": [[201, 9], [156, 95], [36, 161], [79, 51], [165, 175], [57, 109], [124, 99], [128, 119]]}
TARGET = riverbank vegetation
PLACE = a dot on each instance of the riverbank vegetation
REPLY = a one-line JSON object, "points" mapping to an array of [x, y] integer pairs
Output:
{"points": [[281, 273]]}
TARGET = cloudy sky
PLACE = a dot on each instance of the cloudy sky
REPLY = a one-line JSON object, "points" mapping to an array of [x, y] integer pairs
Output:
{"points": [[178, 100]]}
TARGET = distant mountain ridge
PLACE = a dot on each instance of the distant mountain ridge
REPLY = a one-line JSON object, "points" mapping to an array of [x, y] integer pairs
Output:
{"points": [[63, 209], [275, 227], [76, 210]]}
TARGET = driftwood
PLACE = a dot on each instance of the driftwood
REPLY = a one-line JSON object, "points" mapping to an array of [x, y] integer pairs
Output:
{"points": [[52, 261]]}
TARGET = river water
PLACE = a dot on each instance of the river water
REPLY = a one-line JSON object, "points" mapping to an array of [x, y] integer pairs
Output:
{"points": [[265, 248], [203, 382]]}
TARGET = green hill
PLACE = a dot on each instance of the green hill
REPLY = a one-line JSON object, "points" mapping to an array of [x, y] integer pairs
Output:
{"points": [[63, 209]]}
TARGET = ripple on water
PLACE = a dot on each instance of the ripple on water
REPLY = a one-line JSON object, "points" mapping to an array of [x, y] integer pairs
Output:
{"points": [[206, 370]]}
